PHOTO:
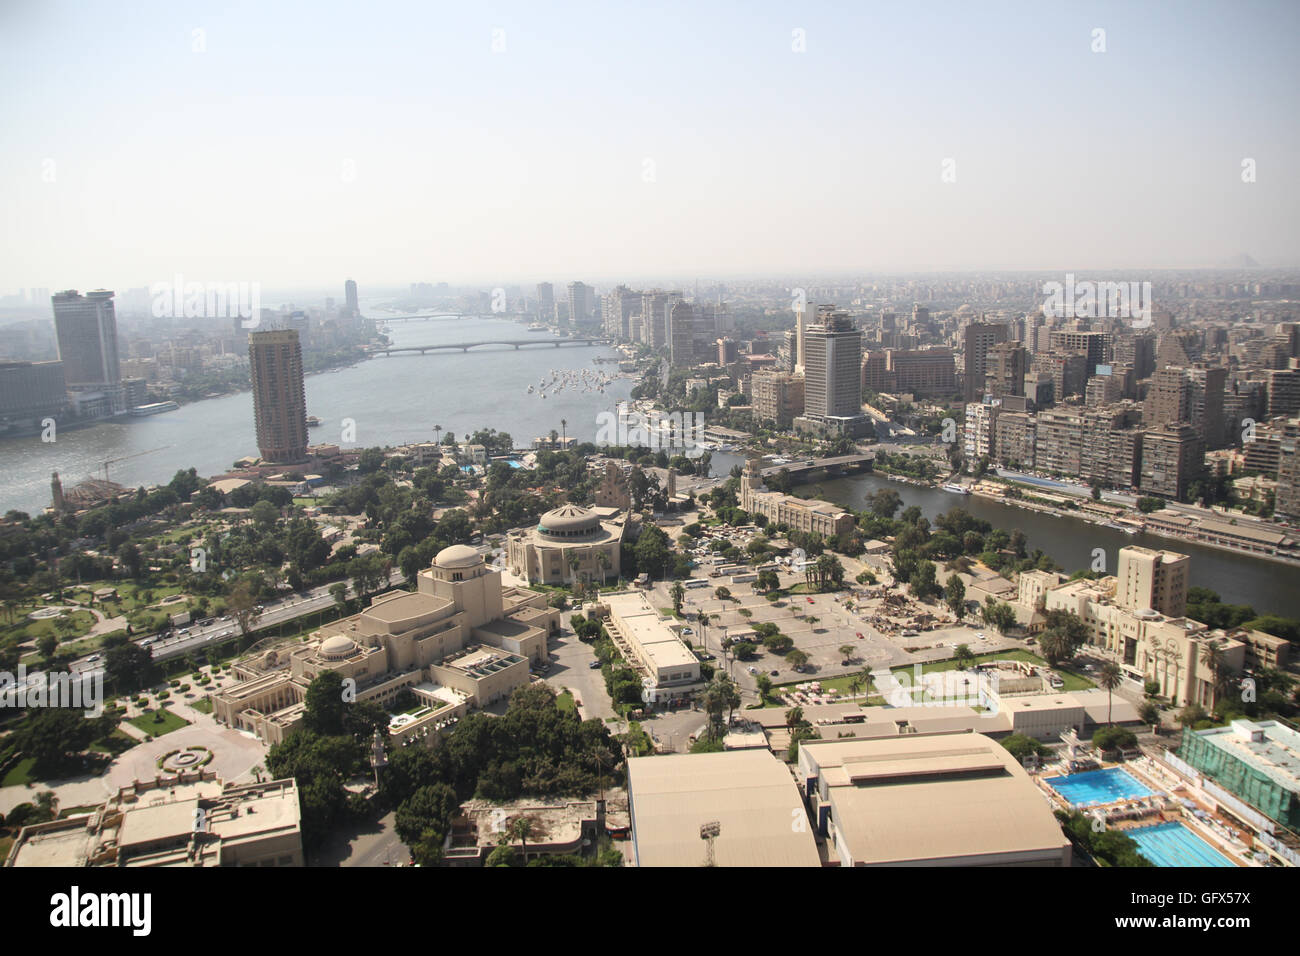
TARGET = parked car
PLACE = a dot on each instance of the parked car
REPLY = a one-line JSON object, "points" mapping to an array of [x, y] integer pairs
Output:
{"points": [[594, 665]]}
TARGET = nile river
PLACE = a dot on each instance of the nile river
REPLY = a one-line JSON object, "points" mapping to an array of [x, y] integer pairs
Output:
{"points": [[1239, 579], [392, 400]]}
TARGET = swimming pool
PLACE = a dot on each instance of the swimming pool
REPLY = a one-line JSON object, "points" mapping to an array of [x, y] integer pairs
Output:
{"points": [[1099, 786], [1172, 844]]}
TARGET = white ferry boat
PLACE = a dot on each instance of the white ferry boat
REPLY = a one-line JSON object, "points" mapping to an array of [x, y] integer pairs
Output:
{"points": [[156, 408], [956, 489]]}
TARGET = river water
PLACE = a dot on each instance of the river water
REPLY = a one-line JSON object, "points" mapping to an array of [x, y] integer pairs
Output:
{"points": [[1239, 579], [392, 400]]}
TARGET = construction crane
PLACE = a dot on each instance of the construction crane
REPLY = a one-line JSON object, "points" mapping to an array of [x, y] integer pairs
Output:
{"points": [[111, 461]]}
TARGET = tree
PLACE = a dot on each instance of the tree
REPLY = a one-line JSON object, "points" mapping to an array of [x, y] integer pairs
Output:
{"points": [[794, 717], [1110, 677], [1212, 658], [924, 580], [963, 657], [242, 604], [1021, 746], [1191, 715], [678, 594], [764, 685], [797, 659], [130, 557], [324, 705], [847, 651], [424, 819], [954, 595]]}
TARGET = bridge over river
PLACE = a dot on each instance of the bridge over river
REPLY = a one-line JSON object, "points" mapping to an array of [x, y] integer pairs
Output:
{"points": [[515, 344]]}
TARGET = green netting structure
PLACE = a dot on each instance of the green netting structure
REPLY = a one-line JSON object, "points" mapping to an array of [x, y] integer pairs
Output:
{"points": [[1248, 770]]}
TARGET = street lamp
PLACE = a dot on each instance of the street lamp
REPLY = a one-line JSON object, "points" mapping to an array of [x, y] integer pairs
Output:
{"points": [[708, 833]]}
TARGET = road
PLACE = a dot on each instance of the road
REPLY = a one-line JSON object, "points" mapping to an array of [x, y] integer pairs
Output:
{"points": [[281, 611]]}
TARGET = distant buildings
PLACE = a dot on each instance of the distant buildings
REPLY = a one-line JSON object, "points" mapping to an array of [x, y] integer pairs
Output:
{"points": [[350, 298], [681, 335], [86, 327], [582, 301], [31, 391], [545, 301], [979, 337], [833, 377], [279, 395], [777, 396]]}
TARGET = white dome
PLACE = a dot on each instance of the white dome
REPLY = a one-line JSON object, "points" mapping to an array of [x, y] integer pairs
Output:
{"points": [[457, 556], [338, 647]]}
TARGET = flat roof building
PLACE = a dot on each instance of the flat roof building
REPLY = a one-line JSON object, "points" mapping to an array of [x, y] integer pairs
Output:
{"points": [[185, 820], [949, 800], [649, 643], [747, 795]]}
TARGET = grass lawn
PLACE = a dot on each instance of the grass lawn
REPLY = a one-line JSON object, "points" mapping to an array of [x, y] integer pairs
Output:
{"points": [[114, 744], [565, 703], [1073, 680], [154, 728], [203, 706], [19, 774]]}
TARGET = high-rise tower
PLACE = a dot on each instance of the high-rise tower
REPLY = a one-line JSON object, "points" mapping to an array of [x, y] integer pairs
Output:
{"points": [[279, 396]]}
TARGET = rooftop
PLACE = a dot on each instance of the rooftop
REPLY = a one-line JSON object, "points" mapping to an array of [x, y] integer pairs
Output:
{"points": [[749, 794]]}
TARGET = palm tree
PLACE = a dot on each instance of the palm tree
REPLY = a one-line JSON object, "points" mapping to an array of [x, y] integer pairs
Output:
{"points": [[678, 594], [521, 828], [257, 772], [1110, 678], [602, 559], [564, 434], [855, 685], [437, 433], [1212, 659]]}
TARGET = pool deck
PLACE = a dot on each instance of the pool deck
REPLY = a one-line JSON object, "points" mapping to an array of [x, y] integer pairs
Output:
{"points": [[1164, 807]]}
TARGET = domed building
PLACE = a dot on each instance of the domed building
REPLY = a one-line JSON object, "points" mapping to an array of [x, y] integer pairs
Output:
{"points": [[460, 640], [569, 543]]}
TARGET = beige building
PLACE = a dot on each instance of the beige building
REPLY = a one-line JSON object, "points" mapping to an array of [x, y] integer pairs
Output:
{"points": [[746, 797], [799, 514], [777, 396], [946, 800], [1151, 646], [183, 820], [569, 543], [459, 641], [1153, 579], [650, 644]]}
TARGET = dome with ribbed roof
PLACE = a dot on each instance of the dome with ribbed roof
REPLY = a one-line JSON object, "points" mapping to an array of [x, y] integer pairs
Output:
{"points": [[569, 521]]}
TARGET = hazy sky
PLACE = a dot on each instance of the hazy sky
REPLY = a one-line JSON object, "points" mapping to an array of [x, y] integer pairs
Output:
{"points": [[299, 143]]}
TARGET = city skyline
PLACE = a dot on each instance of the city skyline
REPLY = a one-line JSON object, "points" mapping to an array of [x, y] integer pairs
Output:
{"points": [[929, 142]]}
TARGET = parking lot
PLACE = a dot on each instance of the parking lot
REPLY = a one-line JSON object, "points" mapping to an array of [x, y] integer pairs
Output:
{"points": [[819, 625]]}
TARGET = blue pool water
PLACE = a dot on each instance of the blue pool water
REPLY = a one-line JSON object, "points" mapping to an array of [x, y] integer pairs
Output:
{"points": [[1172, 844], [1099, 786]]}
